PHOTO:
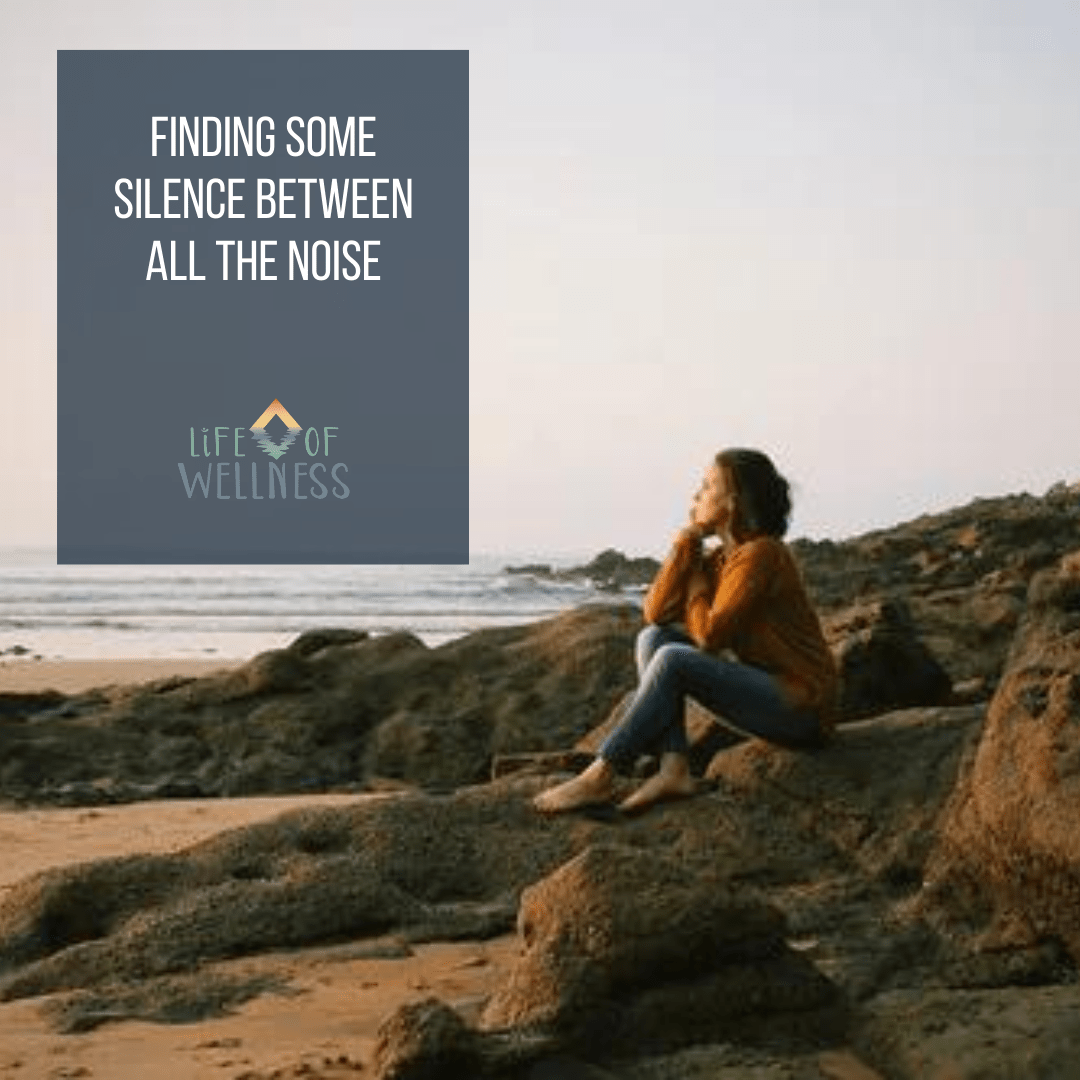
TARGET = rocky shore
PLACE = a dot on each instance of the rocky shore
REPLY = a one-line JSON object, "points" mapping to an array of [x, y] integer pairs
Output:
{"points": [[902, 904]]}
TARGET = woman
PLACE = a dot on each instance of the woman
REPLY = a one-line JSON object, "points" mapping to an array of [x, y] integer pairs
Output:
{"points": [[746, 596]]}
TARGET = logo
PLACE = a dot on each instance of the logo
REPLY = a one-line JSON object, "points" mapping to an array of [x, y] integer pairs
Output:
{"points": [[258, 429], [232, 479]]}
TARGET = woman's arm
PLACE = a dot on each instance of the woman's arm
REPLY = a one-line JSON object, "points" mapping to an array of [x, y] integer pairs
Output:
{"points": [[749, 574], [665, 601]]}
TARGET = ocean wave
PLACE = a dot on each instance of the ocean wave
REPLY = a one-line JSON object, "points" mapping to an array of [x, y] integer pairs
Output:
{"points": [[236, 611]]}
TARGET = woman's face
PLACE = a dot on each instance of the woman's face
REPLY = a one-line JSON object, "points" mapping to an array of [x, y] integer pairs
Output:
{"points": [[714, 502]]}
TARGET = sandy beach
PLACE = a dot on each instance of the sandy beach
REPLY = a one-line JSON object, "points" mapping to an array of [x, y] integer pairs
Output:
{"points": [[27, 676], [322, 1022], [325, 1004], [321, 1008], [330, 1000]]}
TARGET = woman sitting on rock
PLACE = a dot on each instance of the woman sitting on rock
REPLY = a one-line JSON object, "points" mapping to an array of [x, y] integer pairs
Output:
{"points": [[745, 595]]}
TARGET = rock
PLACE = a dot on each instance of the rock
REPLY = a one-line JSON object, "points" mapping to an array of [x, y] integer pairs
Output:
{"points": [[313, 641], [653, 940], [276, 671], [543, 763], [733, 1061], [431, 752], [423, 866], [425, 1040], [265, 770], [331, 710], [336, 708], [999, 964], [1009, 850], [913, 887], [429, 867], [963, 573], [969, 629], [625, 949], [170, 999], [873, 801], [955, 549], [541, 570], [971, 691], [250, 913], [963, 1035], [883, 664], [876, 791], [562, 1067], [611, 571], [17, 706], [429, 1039]]}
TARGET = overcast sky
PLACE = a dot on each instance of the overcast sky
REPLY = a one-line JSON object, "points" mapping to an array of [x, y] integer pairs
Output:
{"points": [[845, 232]]}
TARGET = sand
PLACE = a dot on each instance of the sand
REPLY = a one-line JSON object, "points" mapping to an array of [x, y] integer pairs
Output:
{"points": [[320, 1019], [35, 839], [325, 1014], [24, 675], [331, 1000]]}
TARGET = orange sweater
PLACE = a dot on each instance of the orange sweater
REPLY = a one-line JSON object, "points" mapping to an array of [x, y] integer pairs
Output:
{"points": [[758, 608]]}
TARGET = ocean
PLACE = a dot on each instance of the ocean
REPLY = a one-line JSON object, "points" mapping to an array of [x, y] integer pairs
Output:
{"points": [[233, 612]]}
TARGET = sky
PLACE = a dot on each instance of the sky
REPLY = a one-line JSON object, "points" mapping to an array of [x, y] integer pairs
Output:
{"points": [[844, 232]]}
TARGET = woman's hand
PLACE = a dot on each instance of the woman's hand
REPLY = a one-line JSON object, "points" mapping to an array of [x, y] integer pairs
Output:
{"points": [[690, 533]]}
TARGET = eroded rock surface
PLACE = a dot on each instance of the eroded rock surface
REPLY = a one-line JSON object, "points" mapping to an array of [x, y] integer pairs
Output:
{"points": [[631, 919], [626, 949], [334, 709], [963, 573], [1008, 853], [876, 791], [426, 1040], [1006, 1034], [434, 867], [883, 663]]}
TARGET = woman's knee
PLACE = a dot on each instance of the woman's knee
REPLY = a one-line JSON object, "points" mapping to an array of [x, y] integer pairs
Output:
{"points": [[649, 639], [649, 634], [668, 662]]}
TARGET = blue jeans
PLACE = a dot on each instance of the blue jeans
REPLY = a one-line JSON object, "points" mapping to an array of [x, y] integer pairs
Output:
{"points": [[670, 668]]}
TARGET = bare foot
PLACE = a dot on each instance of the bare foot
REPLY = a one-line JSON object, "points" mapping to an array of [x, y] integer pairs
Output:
{"points": [[592, 786], [673, 781]]}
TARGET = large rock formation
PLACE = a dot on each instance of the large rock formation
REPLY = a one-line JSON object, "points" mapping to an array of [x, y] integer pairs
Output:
{"points": [[627, 950], [876, 792], [1028, 1033], [1010, 837], [424, 865], [814, 862], [333, 709], [883, 663], [624, 952], [338, 709], [963, 573]]}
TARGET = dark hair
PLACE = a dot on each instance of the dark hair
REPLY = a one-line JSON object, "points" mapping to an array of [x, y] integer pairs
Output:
{"points": [[763, 499]]}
